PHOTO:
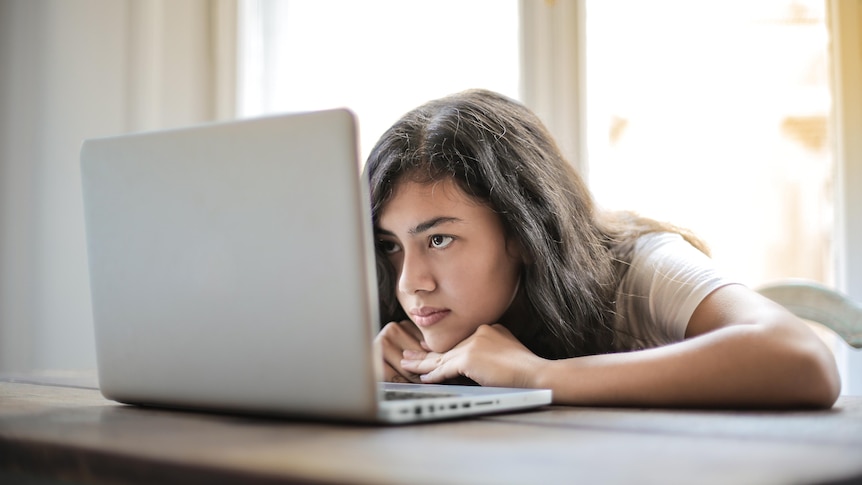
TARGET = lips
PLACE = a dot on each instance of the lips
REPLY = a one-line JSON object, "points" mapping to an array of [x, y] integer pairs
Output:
{"points": [[427, 316]]}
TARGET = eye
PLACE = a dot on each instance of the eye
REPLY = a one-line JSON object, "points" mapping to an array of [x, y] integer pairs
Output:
{"points": [[388, 247], [439, 241]]}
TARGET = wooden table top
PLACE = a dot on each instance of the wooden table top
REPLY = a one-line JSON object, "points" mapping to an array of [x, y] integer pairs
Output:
{"points": [[60, 427]]}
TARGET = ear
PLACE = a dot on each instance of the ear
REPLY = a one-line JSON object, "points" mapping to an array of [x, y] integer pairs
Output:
{"points": [[516, 250]]}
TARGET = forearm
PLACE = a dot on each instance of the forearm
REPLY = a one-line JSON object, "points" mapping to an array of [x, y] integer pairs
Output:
{"points": [[734, 366]]}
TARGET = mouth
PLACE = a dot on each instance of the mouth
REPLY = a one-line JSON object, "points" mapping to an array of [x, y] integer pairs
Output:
{"points": [[427, 316]]}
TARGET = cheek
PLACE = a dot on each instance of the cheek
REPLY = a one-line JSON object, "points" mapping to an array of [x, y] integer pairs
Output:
{"points": [[393, 271], [489, 289]]}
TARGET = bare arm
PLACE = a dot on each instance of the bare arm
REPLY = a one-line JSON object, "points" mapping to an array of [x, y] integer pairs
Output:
{"points": [[741, 350]]}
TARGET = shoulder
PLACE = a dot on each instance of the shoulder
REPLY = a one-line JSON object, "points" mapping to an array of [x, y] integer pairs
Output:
{"points": [[666, 280], [666, 244], [667, 255], [669, 268]]}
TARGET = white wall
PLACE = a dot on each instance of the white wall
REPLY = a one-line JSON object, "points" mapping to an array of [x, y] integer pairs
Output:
{"points": [[75, 69], [62, 81]]}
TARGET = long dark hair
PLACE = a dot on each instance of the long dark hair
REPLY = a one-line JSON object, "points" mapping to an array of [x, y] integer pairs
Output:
{"points": [[499, 152]]}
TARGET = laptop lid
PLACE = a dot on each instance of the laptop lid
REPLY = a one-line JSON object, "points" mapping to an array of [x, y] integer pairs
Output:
{"points": [[231, 266], [232, 269]]}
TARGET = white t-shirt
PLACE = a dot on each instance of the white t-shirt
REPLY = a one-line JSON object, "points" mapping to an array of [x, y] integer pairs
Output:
{"points": [[667, 280]]}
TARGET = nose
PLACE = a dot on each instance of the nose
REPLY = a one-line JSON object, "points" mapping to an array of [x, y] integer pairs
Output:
{"points": [[416, 274]]}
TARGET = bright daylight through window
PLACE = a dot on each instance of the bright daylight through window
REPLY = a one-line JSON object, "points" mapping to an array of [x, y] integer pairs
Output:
{"points": [[379, 58], [714, 116], [710, 115]]}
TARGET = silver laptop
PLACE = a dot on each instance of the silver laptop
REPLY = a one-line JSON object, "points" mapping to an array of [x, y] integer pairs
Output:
{"points": [[232, 269]]}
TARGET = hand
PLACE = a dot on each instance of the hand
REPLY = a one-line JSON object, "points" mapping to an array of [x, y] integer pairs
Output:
{"points": [[492, 356], [394, 340]]}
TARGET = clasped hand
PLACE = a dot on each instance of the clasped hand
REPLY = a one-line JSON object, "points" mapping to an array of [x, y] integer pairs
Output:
{"points": [[491, 356]]}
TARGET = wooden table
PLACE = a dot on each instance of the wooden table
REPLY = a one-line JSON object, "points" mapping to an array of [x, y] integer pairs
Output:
{"points": [[58, 427]]}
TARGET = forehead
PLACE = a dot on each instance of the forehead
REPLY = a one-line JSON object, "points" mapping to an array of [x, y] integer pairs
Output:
{"points": [[415, 201], [439, 190]]}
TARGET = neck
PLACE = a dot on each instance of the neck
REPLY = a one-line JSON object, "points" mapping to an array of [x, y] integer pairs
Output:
{"points": [[517, 317]]}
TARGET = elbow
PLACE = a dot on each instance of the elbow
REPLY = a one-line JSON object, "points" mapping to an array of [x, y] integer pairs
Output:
{"points": [[830, 389], [819, 383], [808, 368]]}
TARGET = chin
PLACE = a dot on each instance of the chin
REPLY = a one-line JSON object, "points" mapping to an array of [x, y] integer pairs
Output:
{"points": [[439, 346]]}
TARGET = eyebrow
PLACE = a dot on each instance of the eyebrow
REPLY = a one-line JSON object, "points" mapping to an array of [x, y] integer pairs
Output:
{"points": [[422, 226]]}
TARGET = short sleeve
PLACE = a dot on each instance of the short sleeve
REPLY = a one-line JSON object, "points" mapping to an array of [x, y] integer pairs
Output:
{"points": [[667, 280]]}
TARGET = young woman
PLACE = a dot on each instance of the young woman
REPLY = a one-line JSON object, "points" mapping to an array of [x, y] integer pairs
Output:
{"points": [[496, 266]]}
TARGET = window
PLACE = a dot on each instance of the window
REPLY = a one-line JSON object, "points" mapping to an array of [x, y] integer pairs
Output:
{"points": [[379, 58], [714, 116]]}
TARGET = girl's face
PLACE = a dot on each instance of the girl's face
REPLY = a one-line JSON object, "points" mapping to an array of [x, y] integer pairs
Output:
{"points": [[455, 268]]}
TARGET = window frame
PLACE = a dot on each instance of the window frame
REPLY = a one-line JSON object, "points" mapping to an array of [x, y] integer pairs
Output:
{"points": [[845, 23]]}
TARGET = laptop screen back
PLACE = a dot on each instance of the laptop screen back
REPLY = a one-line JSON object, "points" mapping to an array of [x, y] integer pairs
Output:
{"points": [[231, 266]]}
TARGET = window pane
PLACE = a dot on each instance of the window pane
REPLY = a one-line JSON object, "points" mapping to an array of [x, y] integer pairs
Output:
{"points": [[714, 116], [379, 58]]}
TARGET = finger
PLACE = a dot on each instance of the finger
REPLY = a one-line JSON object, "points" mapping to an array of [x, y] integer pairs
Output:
{"points": [[440, 374], [392, 358], [420, 362], [391, 374], [392, 353], [388, 372], [411, 329], [429, 366], [400, 334], [416, 354], [393, 339], [395, 374]]}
